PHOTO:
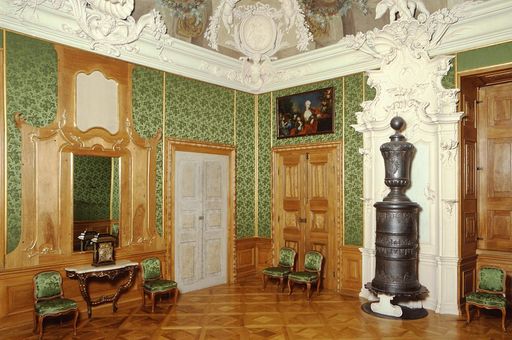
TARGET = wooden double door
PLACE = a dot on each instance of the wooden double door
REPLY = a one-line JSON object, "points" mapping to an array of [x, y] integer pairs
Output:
{"points": [[486, 195], [307, 204]]}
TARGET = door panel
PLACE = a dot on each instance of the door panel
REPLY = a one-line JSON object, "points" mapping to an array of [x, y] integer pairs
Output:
{"points": [[305, 201], [495, 157], [201, 219], [468, 232]]}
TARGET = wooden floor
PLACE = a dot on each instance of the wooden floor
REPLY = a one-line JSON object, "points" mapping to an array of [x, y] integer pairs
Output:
{"points": [[244, 311]]}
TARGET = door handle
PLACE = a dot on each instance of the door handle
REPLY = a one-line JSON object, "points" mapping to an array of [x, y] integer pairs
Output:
{"points": [[201, 218], [302, 220]]}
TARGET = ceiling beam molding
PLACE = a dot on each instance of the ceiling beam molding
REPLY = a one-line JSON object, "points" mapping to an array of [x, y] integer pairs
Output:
{"points": [[484, 24]]}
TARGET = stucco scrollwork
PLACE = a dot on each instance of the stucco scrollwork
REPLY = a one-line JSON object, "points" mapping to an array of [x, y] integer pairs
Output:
{"points": [[257, 31], [106, 24]]}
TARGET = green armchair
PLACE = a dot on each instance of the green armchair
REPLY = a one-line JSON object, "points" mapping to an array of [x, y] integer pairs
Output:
{"points": [[490, 293], [153, 284], [49, 300], [284, 268], [312, 273]]}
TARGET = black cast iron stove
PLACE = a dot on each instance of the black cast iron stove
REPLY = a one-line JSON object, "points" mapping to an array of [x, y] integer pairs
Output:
{"points": [[396, 243]]}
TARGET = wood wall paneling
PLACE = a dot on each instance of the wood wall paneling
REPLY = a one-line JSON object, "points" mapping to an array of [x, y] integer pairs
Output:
{"points": [[16, 291], [351, 277], [252, 255]]}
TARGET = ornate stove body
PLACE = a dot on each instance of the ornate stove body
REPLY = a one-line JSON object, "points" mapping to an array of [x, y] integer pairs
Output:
{"points": [[396, 244]]}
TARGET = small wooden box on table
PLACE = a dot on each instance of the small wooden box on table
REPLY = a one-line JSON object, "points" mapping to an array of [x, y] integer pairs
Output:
{"points": [[83, 273]]}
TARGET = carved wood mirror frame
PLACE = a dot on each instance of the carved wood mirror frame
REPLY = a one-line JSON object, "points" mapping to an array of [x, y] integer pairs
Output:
{"points": [[47, 208]]}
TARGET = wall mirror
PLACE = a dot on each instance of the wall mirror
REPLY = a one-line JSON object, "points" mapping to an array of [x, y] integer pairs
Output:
{"points": [[96, 197]]}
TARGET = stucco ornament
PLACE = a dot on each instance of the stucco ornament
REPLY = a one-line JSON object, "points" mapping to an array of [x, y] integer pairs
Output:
{"points": [[106, 24], [402, 46], [257, 31]]}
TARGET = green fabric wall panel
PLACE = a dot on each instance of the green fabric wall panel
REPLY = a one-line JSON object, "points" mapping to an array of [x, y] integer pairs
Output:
{"points": [[353, 161], [264, 166], [198, 111], [245, 163], [31, 89], [91, 188], [483, 57], [147, 112]]}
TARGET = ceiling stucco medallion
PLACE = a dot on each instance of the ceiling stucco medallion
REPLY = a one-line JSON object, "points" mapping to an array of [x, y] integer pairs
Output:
{"points": [[258, 33]]}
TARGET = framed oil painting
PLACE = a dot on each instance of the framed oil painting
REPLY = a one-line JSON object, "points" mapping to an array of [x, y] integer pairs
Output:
{"points": [[305, 114]]}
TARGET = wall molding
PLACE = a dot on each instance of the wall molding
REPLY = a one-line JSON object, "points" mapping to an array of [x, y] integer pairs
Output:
{"points": [[485, 23]]}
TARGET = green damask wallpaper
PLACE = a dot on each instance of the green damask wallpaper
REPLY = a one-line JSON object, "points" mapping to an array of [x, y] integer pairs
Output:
{"points": [[264, 165], [31, 88], [354, 87], [245, 163], [147, 113], [198, 111], [92, 183]]}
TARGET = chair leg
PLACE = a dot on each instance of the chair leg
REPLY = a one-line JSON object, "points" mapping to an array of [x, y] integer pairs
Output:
{"points": [[309, 291], [40, 325], [281, 283], [176, 292], [503, 317], [290, 286], [153, 302], [318, 283], [468, 316], [265, 278], [75, 321], [143, 298], [35, 322]]}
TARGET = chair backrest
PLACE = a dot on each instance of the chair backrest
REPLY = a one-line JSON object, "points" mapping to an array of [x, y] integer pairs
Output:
{"points": [[491, 279], [313, 261], [151, 268], [47, 285], [287, 257]]}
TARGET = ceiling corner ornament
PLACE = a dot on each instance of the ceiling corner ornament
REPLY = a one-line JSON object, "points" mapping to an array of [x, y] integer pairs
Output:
{"points": [[408, 80], [257, 31], [106, 24]]}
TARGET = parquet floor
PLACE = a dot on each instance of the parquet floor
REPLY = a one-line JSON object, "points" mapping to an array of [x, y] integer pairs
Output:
{"points": [[244, 311]]}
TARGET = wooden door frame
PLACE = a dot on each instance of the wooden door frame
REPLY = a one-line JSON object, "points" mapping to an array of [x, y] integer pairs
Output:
{"points": [[339, 213], [475, 73], [172, 146]]}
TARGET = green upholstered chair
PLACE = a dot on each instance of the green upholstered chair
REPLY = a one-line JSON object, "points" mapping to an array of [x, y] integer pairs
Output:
{"points": [[152, 282], [284, 267], [49, 299], [312, 273], [490, 293]]}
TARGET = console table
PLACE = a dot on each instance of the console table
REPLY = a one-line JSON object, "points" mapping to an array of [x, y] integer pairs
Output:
{"points": [[84, 272]]}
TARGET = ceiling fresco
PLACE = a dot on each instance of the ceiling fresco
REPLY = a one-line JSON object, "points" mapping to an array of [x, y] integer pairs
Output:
{"points": [[327, 20]]}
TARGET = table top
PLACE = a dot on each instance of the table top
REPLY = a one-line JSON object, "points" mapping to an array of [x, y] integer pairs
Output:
{"points": [[90, 268]]}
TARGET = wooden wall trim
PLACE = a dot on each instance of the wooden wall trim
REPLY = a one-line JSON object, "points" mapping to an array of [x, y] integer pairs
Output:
{"points": [[252, 255], [351, 276]]}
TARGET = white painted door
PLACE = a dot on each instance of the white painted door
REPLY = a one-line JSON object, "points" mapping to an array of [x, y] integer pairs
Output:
{"points": [[201, 206]]}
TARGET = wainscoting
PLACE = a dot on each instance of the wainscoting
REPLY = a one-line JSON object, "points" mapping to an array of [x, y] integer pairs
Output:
{"points": [[252, 255], [17, 294]]}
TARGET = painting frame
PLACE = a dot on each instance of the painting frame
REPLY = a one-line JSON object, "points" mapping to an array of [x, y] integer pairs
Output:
{"points": [[295, 117]]}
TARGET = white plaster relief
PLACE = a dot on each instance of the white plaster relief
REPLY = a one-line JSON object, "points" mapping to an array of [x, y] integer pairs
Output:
{"points": [[257, 31], [106, 24]]}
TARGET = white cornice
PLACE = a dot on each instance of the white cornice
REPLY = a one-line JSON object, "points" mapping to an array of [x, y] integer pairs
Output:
{"points": [[486, 23]]}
